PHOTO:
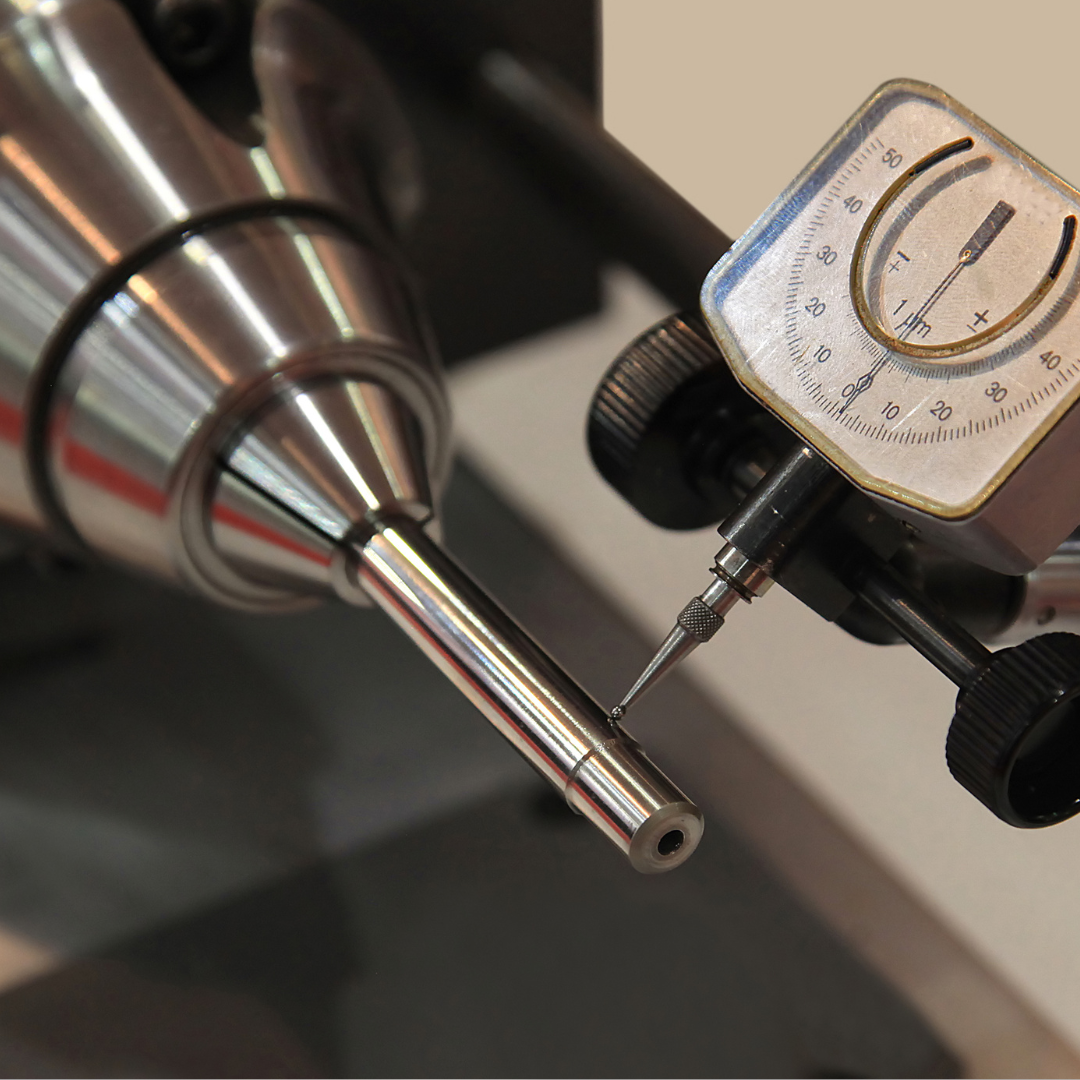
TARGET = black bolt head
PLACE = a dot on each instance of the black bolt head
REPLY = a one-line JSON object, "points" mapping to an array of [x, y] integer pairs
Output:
{"points": [[193, 34]]}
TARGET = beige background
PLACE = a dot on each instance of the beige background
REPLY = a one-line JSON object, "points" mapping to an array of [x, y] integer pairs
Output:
{"points": [[728, 103]]}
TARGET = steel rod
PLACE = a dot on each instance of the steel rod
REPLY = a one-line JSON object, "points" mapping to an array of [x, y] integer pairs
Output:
{"points": [[946, 644], [533, 703], [631, 213]]}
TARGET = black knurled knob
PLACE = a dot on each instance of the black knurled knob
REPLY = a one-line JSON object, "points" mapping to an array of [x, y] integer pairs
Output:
{"points": [[639, 383], [667, 421], [1014, 741]]}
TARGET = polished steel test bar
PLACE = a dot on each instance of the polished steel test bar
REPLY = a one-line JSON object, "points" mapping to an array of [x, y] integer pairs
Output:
{"points": [[214, 367], [558, 728]]}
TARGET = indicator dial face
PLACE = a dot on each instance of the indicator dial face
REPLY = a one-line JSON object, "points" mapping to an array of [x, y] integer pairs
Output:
{"points": [[909, 304]]}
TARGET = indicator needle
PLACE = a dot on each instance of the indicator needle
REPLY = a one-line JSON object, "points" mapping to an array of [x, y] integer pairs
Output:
{"points": [[697, 622], [986, 233], [863, 383], [970, 254]]}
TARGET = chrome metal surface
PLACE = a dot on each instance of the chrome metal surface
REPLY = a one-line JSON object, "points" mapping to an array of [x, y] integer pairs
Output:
{"points": [[104, 164], [744, 574], [337, 453], [720, 597], [323, 461], [182, 360], [213, 366], [561, 731], [759, 536], [100, 152], [266, 544], [1051, 596]]}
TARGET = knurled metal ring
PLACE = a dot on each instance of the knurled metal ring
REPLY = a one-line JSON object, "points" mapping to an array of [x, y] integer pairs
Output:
{"points": [[699, 620]]}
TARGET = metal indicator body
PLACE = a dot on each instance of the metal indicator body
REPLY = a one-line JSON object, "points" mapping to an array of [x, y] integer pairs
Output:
{"points": [[908, 307]]}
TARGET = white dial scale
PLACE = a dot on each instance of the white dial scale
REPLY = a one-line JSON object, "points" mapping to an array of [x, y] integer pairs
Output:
{"points": [[908, 307]]}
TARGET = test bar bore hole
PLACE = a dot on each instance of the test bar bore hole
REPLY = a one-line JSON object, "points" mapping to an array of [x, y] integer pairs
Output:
{"points": [[670, 842]]}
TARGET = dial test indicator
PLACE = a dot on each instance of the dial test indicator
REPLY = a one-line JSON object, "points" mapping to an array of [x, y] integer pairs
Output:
{"points": [[908, 307]]}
